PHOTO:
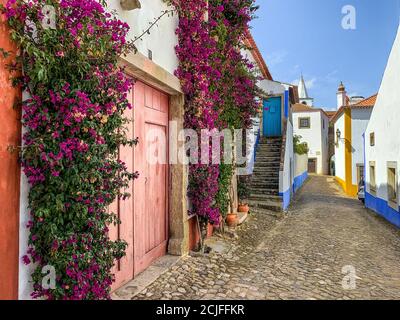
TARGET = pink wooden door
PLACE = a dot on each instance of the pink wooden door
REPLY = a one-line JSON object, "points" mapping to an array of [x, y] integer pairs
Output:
{"points": [[144, 217], [151, 189]]}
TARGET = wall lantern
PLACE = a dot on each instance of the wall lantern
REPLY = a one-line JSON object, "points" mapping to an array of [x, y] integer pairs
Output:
{"points": [[130, 4]]}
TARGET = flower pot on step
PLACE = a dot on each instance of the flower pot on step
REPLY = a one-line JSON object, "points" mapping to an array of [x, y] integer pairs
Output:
{"points": [[232, 220], [244, 208]]}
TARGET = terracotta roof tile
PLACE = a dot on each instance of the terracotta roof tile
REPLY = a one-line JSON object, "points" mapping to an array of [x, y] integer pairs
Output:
{"points": [[299, 107], [366, 103]]}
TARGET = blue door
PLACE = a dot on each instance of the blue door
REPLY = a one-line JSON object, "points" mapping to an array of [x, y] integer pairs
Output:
{"points": [[272, 117]]}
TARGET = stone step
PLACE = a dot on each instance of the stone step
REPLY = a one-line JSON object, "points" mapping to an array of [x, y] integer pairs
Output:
{"points": [[265, 185], [268, 153], [265, 197], [266, 173], [272, 165], [267, 191], [259, 168], [267, 205], [264, 178], [268, 159]]}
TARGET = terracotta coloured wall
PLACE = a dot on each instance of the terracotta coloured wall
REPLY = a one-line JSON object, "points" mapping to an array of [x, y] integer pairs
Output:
{"points": [[10, 133]]}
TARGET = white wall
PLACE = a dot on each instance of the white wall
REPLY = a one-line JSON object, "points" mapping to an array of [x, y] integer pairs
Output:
{"points": [[300, 164], [385, 123], [340, 165], [162, 38], [359, 123], [272, 87], [315, 137], [286, 176]]}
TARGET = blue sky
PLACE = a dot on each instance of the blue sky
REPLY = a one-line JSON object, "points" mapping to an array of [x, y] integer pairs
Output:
{"points": [[306, 36]]}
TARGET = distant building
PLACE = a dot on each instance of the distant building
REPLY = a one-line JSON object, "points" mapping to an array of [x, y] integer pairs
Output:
{"points": [[303, 93], [349, 125], [312, 124], [382, 144]]}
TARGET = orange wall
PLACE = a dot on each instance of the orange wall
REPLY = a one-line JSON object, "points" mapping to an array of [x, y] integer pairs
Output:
{"points": [[10, 133]]}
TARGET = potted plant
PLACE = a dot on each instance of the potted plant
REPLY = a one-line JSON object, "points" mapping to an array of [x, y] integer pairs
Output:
{"points": [[232, 217], [244, 193]]}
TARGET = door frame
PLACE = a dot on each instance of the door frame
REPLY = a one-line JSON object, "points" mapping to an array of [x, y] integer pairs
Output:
{"points": [[140, 68], [316, 165], [282, 96]]}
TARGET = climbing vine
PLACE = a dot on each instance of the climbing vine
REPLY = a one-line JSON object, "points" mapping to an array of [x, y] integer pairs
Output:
{"points": [[219, 86], [237, 88], [74, 126]]}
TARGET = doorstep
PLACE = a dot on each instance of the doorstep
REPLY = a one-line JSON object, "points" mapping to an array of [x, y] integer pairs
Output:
{"points": [[146, 278], [242, 217]]}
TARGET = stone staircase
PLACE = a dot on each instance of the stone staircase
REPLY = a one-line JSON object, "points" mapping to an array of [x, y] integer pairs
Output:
{"points": [[265, 182]]}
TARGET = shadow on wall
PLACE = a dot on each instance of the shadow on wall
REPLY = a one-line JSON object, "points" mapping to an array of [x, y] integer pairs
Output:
{"points": [[385, 208]]}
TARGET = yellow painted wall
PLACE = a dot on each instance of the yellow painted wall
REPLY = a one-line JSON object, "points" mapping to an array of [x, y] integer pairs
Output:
{"points": [[348, 187]]}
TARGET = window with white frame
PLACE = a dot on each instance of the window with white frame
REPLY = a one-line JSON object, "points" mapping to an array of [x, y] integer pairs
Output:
{"points": [[304, 123], [392, 188], [372, 177]]}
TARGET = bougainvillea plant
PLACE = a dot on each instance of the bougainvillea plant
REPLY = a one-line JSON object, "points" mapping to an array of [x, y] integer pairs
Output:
{"points": [[237, 88], [74, 126], [219, 85], [195, 71]]}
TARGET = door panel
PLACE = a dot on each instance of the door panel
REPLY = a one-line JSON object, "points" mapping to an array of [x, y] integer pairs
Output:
{"points": [[312, 166], [272, 117], [145, 215], [151, 189]]}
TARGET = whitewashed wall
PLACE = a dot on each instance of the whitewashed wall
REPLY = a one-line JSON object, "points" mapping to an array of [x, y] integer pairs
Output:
{"points": [[324, 144], [385, 123], [162, 38], [315, 137], [340, 165], [286, 177], [300, 164], [359, 123]]}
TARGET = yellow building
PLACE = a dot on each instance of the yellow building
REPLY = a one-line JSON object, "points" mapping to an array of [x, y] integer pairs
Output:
{"points": [[350, 123]]}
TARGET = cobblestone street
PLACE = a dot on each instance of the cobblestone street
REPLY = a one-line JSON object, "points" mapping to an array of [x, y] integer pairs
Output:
{"points": [[300, 256]]}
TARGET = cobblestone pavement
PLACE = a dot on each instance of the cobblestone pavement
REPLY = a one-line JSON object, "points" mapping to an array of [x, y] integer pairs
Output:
{"points": [[300, 256]]}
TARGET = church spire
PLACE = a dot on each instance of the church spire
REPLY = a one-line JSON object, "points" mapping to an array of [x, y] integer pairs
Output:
{"points": [[303, 94]]}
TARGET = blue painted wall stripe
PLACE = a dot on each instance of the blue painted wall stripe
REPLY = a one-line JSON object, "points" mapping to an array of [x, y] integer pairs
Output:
{"points": [[287, 104], [297, 183], [382, 208]]}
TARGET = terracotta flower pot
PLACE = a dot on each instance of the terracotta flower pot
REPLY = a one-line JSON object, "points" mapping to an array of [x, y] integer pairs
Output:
{"points": [[244, 208], [232, 220]]}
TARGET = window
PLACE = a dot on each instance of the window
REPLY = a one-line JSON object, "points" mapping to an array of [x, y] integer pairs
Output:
{"points": [[372, 139], [372, 177], [304, 123], [392, 183]]}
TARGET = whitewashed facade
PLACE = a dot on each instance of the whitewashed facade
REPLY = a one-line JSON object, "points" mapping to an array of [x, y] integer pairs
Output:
{"points": [[382, 144], [315, 134]]}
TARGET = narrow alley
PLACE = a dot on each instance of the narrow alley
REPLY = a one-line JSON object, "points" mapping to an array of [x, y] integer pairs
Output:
{"points": [[328, 246]]}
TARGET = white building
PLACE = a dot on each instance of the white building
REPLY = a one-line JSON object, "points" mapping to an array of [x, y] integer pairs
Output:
{"points": [[382, 144], [350, 123], [312, 125]]}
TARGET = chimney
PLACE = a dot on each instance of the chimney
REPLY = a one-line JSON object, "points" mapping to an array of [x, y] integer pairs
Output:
{"points": [[341, 96]]}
